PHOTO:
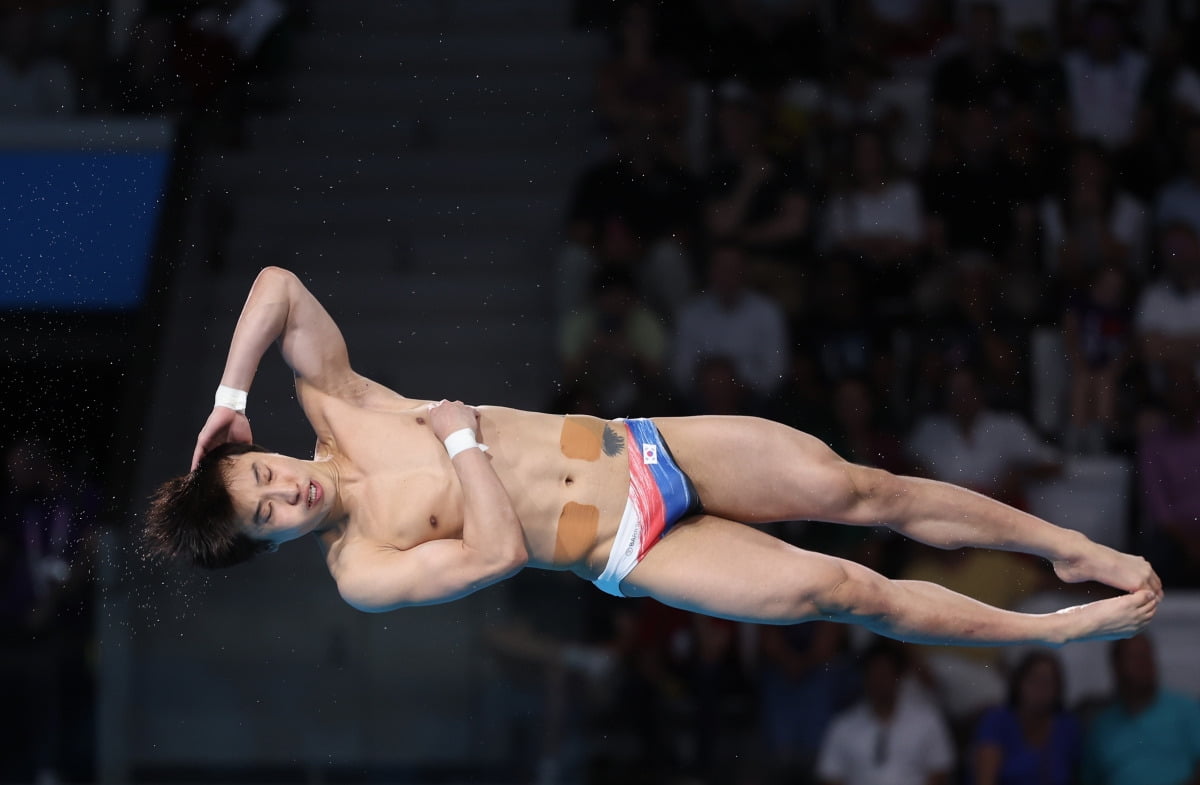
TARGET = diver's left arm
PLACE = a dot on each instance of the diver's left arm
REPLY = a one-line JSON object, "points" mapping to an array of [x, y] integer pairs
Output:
{"points": [[279, 307]]}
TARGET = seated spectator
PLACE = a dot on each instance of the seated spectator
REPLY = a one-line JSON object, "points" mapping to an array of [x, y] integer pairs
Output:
{"points": [[806, 678], [1032, 738], [1179, 200], [1168, 311], [974, 314], [802, 398], [877, 216], [889, 736], [1098, 336], [972, 445], [1091, 222], [1168, 458], [615, 346], [858, 434], [899, 31], [856, 99], [1105, 79], [982, 73], [848, 337], [718, 389], [1148, 735], [637, 86], [32, 83], [730, 320], [636, 209], [973, 197], [754, 199]]}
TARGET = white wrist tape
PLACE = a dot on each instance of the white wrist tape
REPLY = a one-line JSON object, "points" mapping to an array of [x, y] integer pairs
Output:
{"points": [[461, 440], [231, 398]]}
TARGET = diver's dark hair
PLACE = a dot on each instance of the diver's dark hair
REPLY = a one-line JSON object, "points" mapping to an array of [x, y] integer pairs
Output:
{"points": [[192, 516]]}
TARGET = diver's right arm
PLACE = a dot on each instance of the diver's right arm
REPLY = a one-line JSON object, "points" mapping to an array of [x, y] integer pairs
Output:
{"points": [[279, 307]]}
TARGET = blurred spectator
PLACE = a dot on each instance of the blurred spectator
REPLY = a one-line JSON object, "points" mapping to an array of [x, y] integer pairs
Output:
{"points": [[974, 314], [971, 445], [1091, 222], [1179, 200], [802, 400], [858, 434], [1098, 336], [1148, 735], [732, 321], [1106, 81], [1169, 464], [1032, 739], [637, 87], [754, 199], [46, 546], [1168, 312], [805, 679], [718, 389], [848, 336], [982, 73], [32, 82], [615, 346], [876, 215], [856, 99], [974, 196], [889, 736], [901, 31], [635, 209]]}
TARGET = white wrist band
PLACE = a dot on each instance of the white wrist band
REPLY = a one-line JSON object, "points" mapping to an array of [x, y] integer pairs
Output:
{"points": [[231, 398], [460, 440]]}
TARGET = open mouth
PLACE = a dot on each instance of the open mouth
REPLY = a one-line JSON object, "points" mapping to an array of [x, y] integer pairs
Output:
{"points": [[314, 494]]}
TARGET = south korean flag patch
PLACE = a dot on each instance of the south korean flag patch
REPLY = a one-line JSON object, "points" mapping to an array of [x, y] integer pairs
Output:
{"points": [[649, 454]]}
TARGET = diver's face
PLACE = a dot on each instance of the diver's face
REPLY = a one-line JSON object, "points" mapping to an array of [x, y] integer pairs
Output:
{"points": [[278, 498]]}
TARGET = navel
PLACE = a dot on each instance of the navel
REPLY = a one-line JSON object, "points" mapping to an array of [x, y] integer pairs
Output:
{"points": [[577, 527]]}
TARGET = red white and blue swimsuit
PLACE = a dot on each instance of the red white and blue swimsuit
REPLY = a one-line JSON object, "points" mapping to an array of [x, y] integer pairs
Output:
{"points": [[660, 494]]}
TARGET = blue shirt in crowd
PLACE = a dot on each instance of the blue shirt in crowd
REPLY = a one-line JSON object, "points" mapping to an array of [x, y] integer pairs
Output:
{"points": [[1054, 763], [1159, 746]]}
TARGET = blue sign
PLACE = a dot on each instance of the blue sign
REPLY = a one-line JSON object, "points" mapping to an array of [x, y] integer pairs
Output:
{"points": [[77, 228]]}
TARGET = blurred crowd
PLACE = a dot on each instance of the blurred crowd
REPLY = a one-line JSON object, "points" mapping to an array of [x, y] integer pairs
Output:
{"points": [[950, 238], [196, 61], [953, 239]]}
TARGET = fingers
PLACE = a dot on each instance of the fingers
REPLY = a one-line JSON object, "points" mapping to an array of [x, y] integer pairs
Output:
{"points": [[197, 454]]}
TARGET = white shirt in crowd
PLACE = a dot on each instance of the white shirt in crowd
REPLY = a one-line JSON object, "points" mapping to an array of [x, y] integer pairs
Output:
{"points": [[1104, 97], [893, 211], [997, 443], [1166, 309], [858, 749], [752, 333], [1127, 222]]}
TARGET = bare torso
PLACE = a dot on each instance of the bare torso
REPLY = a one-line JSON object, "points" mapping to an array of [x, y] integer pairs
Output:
{"points": [[405, 491]]}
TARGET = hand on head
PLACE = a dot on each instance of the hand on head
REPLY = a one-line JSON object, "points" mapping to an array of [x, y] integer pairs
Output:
{"points": [[223, 425]]}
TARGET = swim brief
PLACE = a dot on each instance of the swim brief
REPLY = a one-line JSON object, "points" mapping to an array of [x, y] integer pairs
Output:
{"points": [[660, 494]]}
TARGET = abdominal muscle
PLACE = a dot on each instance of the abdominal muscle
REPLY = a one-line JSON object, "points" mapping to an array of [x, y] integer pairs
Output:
{"points": [[568, 479]]}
